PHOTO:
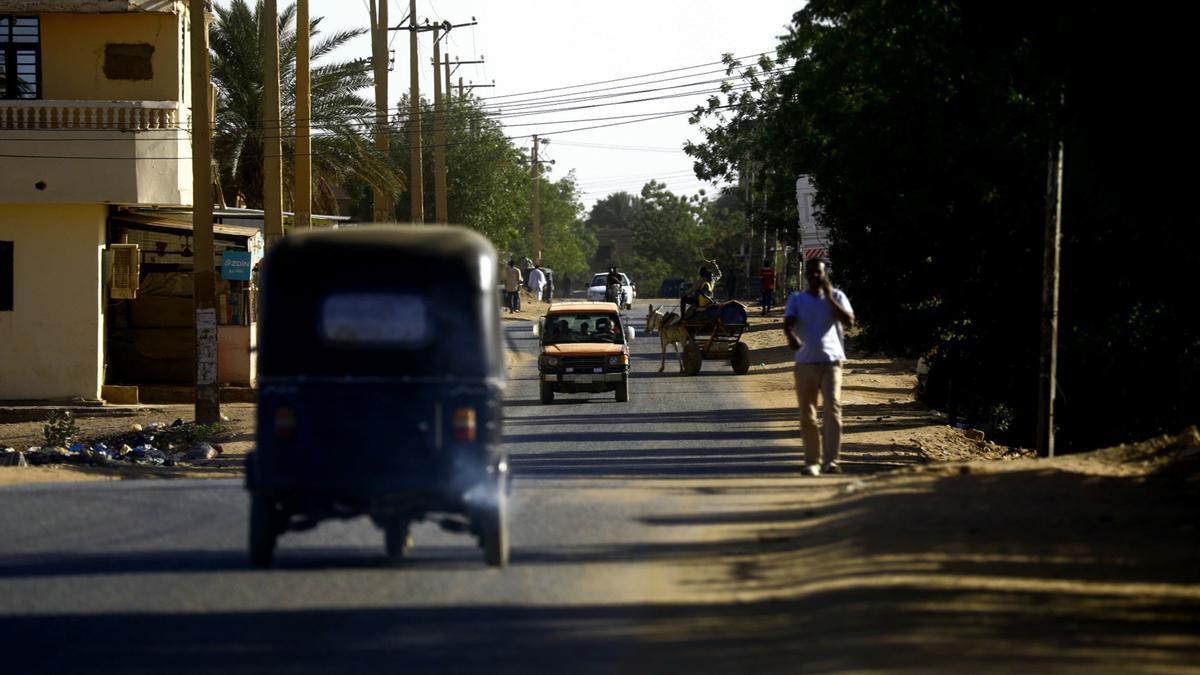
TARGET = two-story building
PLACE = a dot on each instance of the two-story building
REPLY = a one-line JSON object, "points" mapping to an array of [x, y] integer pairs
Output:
{"points": [[94, 114]]}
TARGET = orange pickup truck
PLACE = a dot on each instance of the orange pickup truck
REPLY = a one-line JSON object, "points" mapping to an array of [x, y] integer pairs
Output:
{"points": [[585, 348]]}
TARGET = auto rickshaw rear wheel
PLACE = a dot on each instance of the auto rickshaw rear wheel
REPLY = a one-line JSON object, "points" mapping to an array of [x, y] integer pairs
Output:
{"points": [[547, 391], [264, 530], [397, 538], [692, 359], [493, 529], [740, 360]]}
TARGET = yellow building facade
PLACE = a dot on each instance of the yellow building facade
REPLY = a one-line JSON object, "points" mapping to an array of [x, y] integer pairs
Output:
{"points": [[95, 115]]}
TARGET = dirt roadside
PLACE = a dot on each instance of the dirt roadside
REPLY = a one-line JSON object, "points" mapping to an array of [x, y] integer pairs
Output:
{"points": [[965, 554]]}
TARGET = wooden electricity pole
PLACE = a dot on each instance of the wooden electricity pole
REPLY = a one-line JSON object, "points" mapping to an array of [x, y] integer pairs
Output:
{"points": [[302, 192], [383, 211], [208, 391], [1048, 363], [271, 128], [441, 204], [535, 167], [416, 179]]}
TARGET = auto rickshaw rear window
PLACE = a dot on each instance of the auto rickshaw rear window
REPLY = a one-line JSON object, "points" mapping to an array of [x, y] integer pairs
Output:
{"points": [[375, 320]]}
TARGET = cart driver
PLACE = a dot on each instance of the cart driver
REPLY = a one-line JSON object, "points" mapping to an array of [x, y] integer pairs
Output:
{"points": [[700, 295]]}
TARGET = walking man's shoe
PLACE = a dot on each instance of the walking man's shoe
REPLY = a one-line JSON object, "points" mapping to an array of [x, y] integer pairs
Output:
{"points": [[810, 470], [831, 467]]}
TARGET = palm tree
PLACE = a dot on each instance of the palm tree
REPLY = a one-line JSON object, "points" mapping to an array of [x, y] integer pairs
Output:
{"points": [[341, 119]]}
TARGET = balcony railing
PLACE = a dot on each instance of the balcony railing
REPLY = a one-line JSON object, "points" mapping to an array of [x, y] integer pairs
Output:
{"points": [[98, 115]]}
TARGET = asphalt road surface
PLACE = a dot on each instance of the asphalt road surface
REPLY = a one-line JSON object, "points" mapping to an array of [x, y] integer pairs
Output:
{"points": [[610, 572]]}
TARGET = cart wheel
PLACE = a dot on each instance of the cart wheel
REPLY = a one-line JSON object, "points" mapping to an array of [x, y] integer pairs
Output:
{"points": [[264, 517], [692, 359], [397, 539], [740, 359], [547, 393], [494, 530], [623, 391]]}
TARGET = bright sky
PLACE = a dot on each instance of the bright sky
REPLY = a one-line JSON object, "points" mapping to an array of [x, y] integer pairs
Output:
{"points": [[532, 45]]}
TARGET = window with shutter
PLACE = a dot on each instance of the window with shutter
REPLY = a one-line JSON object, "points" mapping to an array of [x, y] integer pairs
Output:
{"points": [[126, 271]]}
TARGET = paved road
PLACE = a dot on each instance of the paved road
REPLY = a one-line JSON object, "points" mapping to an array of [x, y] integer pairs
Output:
{"points": [[610, 569]]}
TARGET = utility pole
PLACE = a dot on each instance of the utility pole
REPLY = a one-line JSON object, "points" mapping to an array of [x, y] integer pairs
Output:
{"points": [[1048, 366], [382, 210], [416, 179], [537, 207], [536, 170], [302, 192], [416, 188], [449, 72], [208, 391], [271, 128], [441, 204]]}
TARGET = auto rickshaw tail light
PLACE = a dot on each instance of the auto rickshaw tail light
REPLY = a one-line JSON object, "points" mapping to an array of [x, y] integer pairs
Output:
{"points": [[285, 423], [464, 425]]}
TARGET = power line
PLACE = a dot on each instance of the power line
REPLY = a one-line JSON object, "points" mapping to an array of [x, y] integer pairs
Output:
{"points": [[180, 158], [367, 124], [630, 77]]}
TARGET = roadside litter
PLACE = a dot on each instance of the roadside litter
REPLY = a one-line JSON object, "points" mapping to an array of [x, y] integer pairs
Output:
{"points": [[154, 444]]}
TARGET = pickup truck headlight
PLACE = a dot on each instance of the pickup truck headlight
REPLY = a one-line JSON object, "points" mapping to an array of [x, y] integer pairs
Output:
{"points": [[616, 360], [551, 361]]}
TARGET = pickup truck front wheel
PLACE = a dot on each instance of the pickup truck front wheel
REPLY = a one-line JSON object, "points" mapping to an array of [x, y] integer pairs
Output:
{"points": [[623, 391], [547, 390]]}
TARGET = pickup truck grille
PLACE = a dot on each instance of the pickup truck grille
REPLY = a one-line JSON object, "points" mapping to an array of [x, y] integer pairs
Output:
{"points": [[583, 362]]}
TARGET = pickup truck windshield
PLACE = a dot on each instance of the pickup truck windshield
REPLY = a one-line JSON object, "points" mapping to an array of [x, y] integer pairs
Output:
{"points": [[583, 327]]}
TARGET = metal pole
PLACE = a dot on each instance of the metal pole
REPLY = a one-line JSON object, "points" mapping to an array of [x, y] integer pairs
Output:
{"points": [[537, 209], [302, 192], [1048, 366], [208, 391], [272, 150], [416, 181], [439, 134], [383, 210]]}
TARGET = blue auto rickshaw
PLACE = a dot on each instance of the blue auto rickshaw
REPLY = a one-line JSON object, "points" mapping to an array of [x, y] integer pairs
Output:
{"points": [[381, 373]]}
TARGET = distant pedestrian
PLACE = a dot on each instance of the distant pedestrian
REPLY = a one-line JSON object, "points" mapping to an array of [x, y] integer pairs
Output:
{"points": [[528, 268], [768, 287], [548, 296], [537, 282], [814, 323], [512, 286]]}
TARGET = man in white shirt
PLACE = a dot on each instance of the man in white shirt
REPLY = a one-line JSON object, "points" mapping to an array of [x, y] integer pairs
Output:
{"points": [[537, 282], [814, 323]]}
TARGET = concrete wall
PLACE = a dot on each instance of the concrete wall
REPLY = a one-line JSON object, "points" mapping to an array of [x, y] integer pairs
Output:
{"points": [[58, 173], [73, 47], [52, 343]]}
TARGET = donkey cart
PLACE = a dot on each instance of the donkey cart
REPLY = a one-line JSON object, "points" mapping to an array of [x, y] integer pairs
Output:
{"points": [[711, 335]]}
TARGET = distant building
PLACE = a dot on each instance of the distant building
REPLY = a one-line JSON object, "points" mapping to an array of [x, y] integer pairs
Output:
{"points": [[614, 246], [814, 239]]}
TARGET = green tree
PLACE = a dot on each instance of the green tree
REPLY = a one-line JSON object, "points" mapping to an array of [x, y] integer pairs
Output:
{"points": [[567, 241], [340, 116], [926, 126], [616, 209]]}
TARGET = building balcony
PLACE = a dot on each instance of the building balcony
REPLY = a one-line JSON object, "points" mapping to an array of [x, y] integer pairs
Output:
{"points": [[111, 152]]}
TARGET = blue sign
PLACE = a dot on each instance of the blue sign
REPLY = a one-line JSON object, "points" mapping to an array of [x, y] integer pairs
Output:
{"points": [[235, 265]]}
